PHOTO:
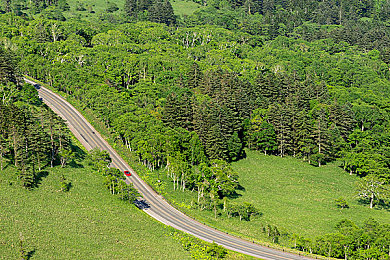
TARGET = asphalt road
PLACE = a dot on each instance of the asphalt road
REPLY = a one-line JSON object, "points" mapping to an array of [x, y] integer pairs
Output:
{"points": [[158, 207]]}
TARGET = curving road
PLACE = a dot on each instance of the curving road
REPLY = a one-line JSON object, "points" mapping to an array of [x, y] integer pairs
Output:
{"points": [[159, 208]]}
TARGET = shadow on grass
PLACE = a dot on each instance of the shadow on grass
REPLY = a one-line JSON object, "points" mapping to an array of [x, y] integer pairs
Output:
{"points": [[383, 205], [236, 195], [38, 178], [79, 156], [380, 205], [69, 186], [240, 188], [74, 164], [30, 254]]}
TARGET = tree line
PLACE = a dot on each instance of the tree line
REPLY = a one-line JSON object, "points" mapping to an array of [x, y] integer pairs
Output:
{"points": [[187, 101], [180, 108]]}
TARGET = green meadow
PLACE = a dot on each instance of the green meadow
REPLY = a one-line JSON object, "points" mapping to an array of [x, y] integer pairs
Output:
{"points": [[180, 8], [84, 223], [291, 194]]}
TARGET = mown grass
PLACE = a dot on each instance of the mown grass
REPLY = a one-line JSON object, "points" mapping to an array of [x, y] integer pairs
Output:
{"points": [[84, 223]]}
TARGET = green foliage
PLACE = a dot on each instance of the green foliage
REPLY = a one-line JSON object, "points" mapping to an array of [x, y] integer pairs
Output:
{"points": [[100, 160], [8, 69], [65, 184], [373, 188], [341, 203], [114, 180], [307, 79], [80, 6], [352, 242], [199, 249], [244, 211], [111, 7]]}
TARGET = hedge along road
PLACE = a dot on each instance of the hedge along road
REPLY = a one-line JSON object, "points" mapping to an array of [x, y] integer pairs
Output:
{"points": [[158, 207]]}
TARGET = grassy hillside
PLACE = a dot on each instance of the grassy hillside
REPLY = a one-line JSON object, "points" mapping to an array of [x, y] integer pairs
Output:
{"points": [[180, 8], [85, 223], [291, 194], [184, 7], [97, 7], [299, 197]]}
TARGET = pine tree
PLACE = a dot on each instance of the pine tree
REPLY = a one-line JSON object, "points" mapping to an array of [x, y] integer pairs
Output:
{"points": [[321, 133], [162, 12], [8, 71], [143, 5], [304, 135], [17, 134], [194, 76], [155, 12], [216, 145], [130, 8], [267, 86], [168, 14], [343, 117], [280, 117]]}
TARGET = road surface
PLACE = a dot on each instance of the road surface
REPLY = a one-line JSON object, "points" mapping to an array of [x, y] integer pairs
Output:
{"points": [[158, 207]]}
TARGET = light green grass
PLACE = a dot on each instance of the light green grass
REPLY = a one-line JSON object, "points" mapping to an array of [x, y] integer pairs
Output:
{"points": [[84, 223], [291, 194], [299, 197], [98, 7], [181, 8]]}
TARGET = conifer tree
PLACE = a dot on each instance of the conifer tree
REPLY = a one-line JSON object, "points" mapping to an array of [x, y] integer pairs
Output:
{"points": [[321, 133], [7, 67], [130, 8], [168, 14], [194, 76]]}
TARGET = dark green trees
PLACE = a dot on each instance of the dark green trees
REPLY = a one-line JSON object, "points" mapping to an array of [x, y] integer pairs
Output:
{"points": [[159, 11], [162, 12], [130, 8], [8, 71]]}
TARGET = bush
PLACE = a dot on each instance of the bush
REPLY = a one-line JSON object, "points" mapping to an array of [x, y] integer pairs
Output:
{"points": [[341, 203]]}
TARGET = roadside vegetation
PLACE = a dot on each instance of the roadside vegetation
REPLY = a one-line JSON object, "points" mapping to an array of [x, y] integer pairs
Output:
{"points": [[189, 96], [55, 196]]}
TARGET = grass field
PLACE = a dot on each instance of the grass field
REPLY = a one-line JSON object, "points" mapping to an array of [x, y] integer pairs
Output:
{"points": [[84, 223], [291, 194], [97, 7], [299, 197], [180, 8]]}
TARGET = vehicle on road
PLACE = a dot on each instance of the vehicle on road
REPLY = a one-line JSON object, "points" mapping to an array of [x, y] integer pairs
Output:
{"points": [[127, 173], [141, 204]]}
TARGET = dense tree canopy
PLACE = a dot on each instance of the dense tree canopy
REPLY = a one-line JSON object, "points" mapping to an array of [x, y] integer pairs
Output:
{"points": [[308, 79]]}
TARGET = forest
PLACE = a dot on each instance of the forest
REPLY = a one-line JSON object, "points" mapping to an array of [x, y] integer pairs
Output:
{"points": [[188, 94]]}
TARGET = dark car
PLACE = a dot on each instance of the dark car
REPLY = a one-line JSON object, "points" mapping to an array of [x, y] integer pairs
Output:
{"points": [[141, 204], [127, 173]]}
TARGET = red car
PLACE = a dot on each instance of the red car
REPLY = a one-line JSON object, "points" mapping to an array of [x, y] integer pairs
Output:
{"points": [[127, 173]]}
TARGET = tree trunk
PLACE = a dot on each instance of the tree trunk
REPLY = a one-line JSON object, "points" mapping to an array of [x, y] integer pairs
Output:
{"points": [[371, 201], [52, 146]]}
